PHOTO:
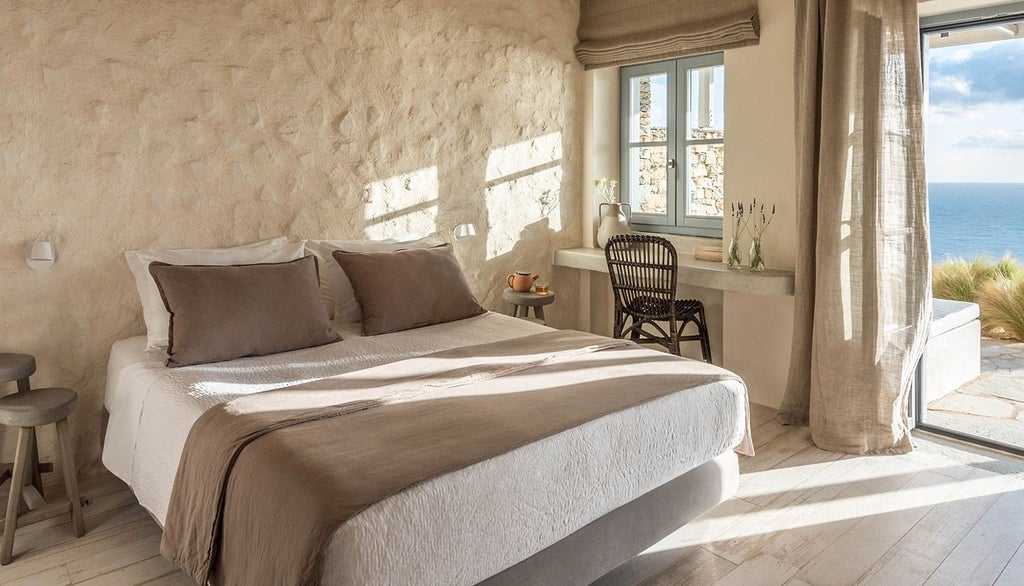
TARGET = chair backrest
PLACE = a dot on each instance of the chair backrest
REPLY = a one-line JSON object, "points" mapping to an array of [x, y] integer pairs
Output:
{"points": [[642, 268]]}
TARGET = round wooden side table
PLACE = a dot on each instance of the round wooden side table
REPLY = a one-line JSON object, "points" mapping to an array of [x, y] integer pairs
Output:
{"points": [[19, 367], [523, 301]]}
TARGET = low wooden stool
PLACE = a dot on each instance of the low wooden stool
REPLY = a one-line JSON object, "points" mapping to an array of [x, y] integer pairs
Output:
{"points": [[522, 301], [19, 367], [27, 410]]}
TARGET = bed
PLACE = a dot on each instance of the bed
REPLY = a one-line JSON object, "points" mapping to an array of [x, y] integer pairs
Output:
{"points": [[564, 509]]}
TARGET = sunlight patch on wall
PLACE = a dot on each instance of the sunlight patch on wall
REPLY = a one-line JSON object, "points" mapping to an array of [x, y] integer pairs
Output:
{"points": [[524, 183], [402, 205], [522, 156]]}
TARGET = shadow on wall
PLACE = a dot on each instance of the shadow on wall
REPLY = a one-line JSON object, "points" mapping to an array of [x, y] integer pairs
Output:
{"points": [[518, 218]]}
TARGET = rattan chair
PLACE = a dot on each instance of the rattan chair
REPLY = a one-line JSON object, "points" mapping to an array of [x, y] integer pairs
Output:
{"points": [[643, 273]]}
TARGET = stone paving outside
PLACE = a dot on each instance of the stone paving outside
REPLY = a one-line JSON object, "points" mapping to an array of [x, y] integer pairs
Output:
{"points": [[992, 405]]}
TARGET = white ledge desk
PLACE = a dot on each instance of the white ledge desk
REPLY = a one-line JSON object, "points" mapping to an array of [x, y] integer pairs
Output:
{"points": [[750, 316], [698, 273]]}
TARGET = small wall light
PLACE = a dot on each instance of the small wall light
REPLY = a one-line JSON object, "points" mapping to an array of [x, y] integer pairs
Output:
{"points": [[464, 231], [40, 255]]}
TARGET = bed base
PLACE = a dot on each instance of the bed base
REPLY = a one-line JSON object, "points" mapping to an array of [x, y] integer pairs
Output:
{"points": [[617, 537], [612, 540]]}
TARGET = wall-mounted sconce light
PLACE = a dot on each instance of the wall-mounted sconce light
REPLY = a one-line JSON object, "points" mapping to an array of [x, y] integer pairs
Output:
{"points": [[464, 232], [39, 255]]}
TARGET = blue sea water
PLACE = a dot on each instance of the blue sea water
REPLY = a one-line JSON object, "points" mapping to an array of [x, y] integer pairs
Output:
{"points": [[973, 219]]}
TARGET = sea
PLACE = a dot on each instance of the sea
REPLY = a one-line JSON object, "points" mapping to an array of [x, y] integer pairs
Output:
{"points": [[976, 219]]}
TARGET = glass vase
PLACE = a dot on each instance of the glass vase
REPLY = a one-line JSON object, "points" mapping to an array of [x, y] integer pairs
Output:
{"points": [[756, 258], [732, 259]]}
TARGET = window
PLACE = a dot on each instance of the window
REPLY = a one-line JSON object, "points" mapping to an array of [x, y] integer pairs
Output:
{"points": [[674, 111]]}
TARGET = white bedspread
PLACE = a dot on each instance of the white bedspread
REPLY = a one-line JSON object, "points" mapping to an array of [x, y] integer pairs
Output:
{"points": [[459, 528]]}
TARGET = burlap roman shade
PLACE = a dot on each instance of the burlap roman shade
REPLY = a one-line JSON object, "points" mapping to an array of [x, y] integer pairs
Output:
{"points": [[621, 32]]}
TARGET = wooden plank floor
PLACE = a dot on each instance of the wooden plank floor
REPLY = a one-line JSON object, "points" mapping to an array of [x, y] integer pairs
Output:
{"points": [[945, 514], [942, 515], [121, 546]]}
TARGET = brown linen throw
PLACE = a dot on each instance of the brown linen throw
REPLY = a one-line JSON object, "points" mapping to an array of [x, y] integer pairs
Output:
{"points": [[266, 479]]}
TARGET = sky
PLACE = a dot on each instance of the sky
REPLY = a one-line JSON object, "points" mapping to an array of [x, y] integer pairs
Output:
{"points": [[975, 119]]}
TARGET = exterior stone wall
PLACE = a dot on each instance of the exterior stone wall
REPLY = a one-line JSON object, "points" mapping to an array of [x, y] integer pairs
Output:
{"points": [[128, 124], [652, 179], [707, 175]]}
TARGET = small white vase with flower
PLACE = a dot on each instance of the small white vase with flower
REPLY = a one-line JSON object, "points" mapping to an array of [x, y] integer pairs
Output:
{"points": [[616, 216]]}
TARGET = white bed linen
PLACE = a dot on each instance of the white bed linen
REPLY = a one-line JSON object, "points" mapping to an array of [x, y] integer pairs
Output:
{"points": [[461, 527]]}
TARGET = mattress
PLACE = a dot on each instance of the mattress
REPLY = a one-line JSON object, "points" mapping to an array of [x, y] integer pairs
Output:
{"points": [[459, 528]]}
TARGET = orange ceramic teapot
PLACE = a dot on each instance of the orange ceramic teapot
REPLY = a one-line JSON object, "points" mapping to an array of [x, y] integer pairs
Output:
{"points": [[521, 281]]}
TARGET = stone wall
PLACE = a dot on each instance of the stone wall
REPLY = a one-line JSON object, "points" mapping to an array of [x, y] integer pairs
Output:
{"points": [[652, 179], [129, 124], [707, 174]]}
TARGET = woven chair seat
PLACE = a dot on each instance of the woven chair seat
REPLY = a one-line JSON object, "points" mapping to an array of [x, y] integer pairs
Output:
{"points": [[658, 309]]}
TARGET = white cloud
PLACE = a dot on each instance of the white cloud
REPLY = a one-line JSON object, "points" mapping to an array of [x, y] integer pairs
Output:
{"points": [[958, 55], [1002, 138], [952, 114], [951, 83], [992, 73]]}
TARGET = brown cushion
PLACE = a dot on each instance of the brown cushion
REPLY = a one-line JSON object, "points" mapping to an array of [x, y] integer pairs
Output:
{"points": [[408, 288], [224, 312]]}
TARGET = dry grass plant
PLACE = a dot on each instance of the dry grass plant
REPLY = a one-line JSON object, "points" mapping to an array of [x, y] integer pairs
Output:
{"points": [[997, 287], [960, 280], [1009, 267], [1002, 307]]}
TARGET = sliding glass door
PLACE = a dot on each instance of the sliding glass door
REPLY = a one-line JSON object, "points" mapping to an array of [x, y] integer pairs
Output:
{"points": [[971, 380]]}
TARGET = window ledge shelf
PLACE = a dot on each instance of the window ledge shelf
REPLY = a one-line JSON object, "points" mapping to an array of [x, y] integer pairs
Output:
{"points": [[698, 273]]}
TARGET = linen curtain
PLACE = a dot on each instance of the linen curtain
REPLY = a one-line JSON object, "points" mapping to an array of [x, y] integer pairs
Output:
{"points": [[620, 32], [863, 289]]}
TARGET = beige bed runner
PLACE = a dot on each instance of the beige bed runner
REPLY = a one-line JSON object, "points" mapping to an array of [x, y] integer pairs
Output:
{"points": [[265, 480]]}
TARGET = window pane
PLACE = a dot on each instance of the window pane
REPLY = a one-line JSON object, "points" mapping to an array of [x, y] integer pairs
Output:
{"points": [[705, 103], [707, 180], [648, 179], [648, 120]]}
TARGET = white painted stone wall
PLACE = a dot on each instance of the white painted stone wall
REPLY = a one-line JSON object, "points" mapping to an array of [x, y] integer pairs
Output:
{"points": [[130, 124]]}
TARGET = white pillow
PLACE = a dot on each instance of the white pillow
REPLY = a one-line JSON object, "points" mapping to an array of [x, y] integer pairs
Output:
{"points": [[339, 297], [153, 311]]}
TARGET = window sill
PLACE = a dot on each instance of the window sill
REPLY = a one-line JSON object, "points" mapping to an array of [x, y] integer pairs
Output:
{"points": [[698, 273]]}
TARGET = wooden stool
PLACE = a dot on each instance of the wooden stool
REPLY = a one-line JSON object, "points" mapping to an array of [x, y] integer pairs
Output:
{"points": [[522, 301], [18, 367], [27, 410]]}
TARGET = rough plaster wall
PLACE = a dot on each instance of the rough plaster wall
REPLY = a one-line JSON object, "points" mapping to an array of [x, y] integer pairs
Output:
{"points": [[169, 124]]}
